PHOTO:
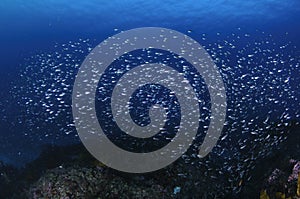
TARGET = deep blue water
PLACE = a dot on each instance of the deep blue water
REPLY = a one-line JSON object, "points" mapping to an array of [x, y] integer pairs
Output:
{"points": [[29, 28]]}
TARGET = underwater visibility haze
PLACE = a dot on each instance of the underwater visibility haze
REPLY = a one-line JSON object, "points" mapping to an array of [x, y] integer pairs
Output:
{"points": [[254, 46]]}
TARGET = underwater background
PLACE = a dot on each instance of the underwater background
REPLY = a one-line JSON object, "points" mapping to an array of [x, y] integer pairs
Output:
{"points": [[255, 44]]}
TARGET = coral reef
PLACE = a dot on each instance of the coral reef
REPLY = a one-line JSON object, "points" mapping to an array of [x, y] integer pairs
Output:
{"points": [[71, 172], [283, 184], [94, 182], [76, 174]]}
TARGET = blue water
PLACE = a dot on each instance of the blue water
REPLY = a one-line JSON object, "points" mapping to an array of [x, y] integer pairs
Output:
{"points": [[32, 27]]}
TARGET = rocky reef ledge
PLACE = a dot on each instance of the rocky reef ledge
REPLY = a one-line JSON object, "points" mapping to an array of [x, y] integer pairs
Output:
{"points": [[68, 172]]}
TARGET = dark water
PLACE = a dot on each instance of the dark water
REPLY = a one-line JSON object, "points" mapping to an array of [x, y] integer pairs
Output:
{"points": [[255, 45]]}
